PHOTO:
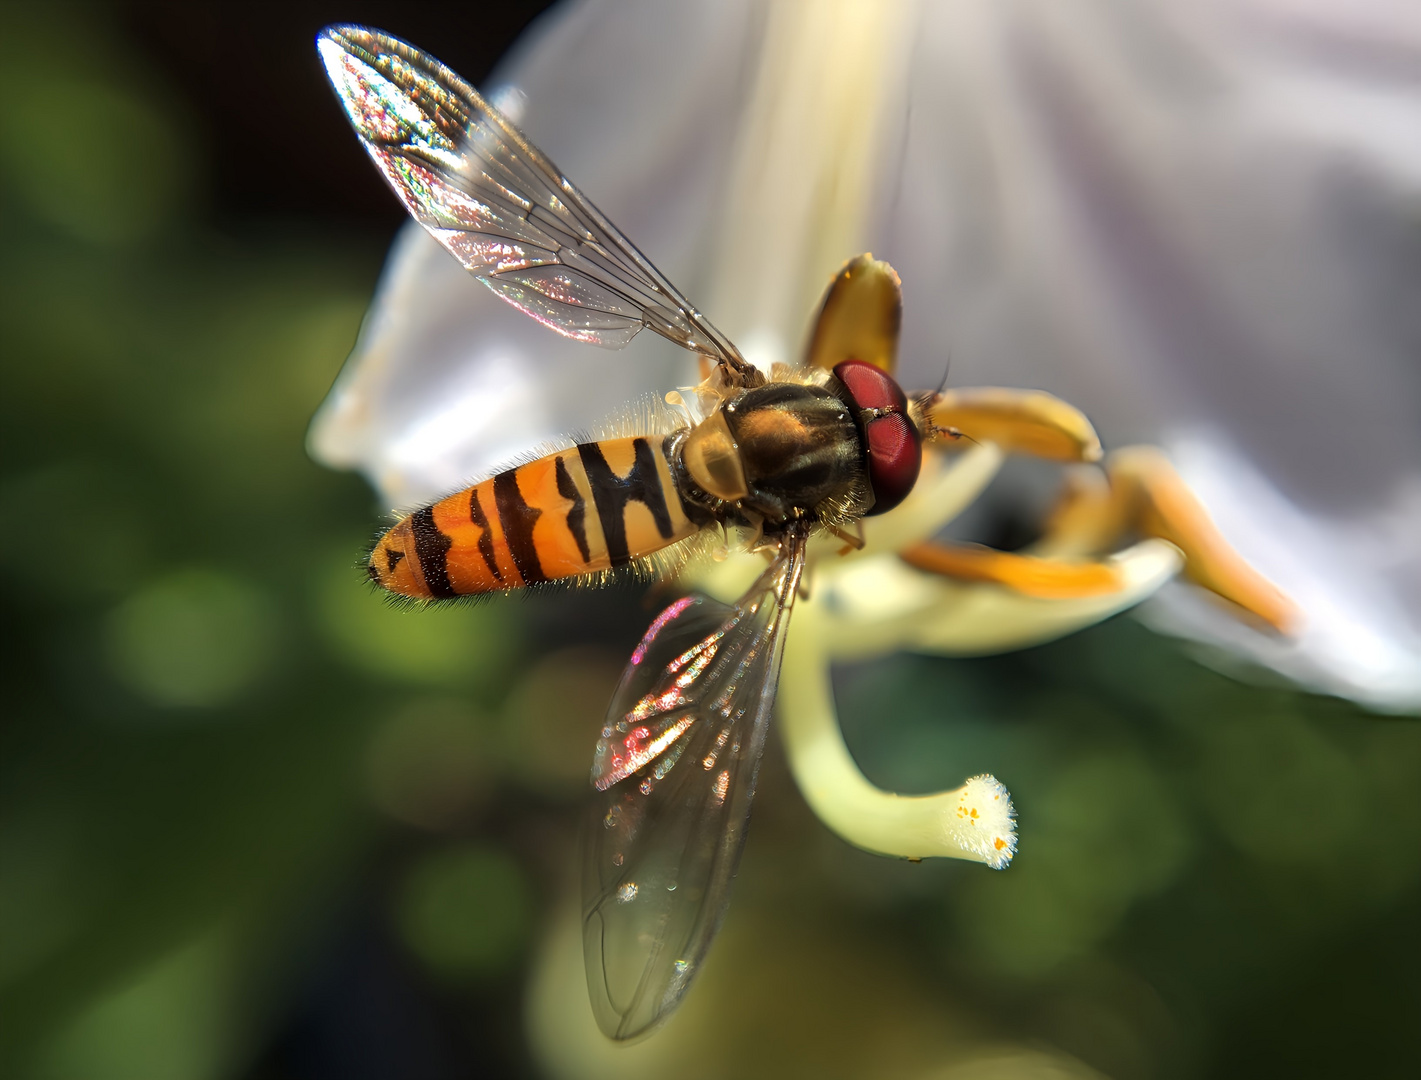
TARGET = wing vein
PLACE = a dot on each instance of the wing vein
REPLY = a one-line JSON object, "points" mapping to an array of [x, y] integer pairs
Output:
{"points": [[480, 187]]}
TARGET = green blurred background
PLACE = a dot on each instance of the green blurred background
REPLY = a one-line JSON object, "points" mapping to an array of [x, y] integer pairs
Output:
{"points": [[255, 823]]}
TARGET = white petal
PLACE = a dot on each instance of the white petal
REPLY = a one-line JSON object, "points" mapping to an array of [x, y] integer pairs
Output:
{"points": [[1361, 639], [446, 381], [1183, 219]]}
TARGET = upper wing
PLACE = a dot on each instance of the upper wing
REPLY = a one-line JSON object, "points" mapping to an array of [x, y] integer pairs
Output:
{"points": [[500, 206], [676, 764]]}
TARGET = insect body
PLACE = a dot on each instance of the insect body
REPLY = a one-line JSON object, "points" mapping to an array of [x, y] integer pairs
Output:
{"points": [[783, 452], [595, 507], [813, 449]]}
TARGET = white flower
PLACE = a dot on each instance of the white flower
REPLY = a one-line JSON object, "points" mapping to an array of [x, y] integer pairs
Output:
{"points": [[1088, 262], [1188, 221], [900, 589]]}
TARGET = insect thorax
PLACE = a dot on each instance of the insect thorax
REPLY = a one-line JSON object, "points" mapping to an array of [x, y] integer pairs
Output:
{"points": [[781, 452]]}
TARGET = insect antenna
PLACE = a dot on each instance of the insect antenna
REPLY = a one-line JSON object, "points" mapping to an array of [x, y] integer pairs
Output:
{"points": [[926, 401], [934, 432], [946, 371]]}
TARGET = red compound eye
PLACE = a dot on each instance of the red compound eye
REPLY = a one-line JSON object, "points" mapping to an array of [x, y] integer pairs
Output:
{"points": [[871, 387], [895, 446]]}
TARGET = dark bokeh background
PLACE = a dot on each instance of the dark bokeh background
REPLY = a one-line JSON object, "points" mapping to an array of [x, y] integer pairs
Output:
{"points": [[257, 824]]}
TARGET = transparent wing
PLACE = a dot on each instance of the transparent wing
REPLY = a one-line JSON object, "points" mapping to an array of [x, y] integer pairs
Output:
{"points": [[504, 210], [676, 768]]}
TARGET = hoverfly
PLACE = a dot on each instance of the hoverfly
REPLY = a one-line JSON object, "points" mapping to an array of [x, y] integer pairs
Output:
{"points": [[804, 452]]}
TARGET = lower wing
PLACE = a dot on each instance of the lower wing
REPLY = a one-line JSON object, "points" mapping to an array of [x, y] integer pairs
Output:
{"points": [[675, 769]]}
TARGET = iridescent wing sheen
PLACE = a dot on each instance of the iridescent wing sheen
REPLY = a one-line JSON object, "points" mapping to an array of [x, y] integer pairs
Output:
{"points": [[676, 766], [492, 198]]}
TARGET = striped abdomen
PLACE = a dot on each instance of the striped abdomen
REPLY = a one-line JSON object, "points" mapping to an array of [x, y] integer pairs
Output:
{"points": [[597, 506]]}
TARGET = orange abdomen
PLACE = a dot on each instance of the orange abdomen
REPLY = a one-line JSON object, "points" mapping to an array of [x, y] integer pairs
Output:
{"points": [[597, 506]]}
